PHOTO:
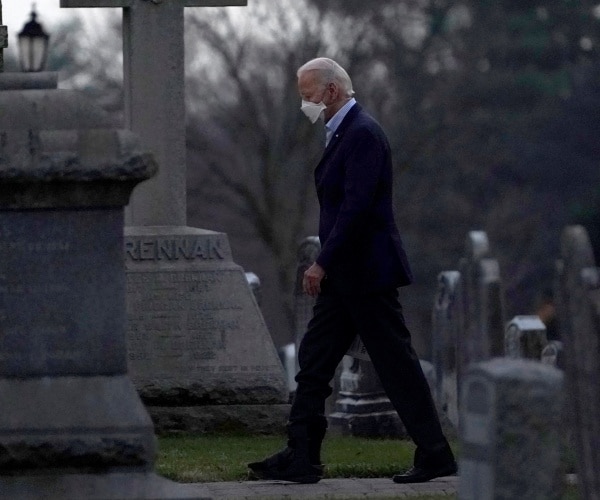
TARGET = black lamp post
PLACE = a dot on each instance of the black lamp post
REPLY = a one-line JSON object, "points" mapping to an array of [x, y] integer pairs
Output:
{"points": [[3, 40], [33, 45]]}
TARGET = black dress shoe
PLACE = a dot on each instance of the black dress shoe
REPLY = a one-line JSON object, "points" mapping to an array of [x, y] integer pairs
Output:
{"points": [[421, 475], [287, 465]]}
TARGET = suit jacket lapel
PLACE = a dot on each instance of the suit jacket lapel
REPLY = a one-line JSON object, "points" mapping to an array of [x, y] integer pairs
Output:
{"points": [[337, 135]]}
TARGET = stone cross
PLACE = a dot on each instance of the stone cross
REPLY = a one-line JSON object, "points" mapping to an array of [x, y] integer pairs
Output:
{"points": [[153, 72]]}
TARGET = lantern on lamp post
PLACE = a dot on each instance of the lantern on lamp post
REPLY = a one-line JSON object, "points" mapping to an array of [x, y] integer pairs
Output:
{"points": [[3, 40], [33, 45]]}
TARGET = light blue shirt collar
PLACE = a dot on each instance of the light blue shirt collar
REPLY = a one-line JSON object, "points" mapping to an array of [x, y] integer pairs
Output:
{"points": [[332, 125]]}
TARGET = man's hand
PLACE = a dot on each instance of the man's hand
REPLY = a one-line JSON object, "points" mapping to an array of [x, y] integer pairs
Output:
{"points": [[311, 283]]}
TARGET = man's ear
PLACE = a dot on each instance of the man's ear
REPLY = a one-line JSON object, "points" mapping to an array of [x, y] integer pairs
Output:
{"points": [[333, 90]]}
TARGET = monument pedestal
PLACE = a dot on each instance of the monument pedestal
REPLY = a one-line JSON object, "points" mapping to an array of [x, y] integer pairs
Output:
{"points": [[77, 422], [71, 423], [198, 348], [214, 419], [107, 486], [363, 409]]}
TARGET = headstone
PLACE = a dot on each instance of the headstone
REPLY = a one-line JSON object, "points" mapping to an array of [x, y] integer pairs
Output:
{"points": [[482, 317], [579, 320], [71, 423], [525, 337], [444, 339], [254, 284], [199, 350], [553, 354], [362, 408], [287, 355], [509, 437], [358, 350], [194, 339]]}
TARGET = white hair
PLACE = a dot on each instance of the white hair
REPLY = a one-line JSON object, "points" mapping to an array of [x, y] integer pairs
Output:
{"points": [[328, 71]]}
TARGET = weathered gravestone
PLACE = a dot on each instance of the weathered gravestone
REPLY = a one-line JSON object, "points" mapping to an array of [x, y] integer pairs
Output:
{"points": [[553, 354], [579, 322], [525, 337], [444, 339], [481, 296], [254, 283], [509, 435], [71, 423], [199, 351], [200, 359], [362, 408]]}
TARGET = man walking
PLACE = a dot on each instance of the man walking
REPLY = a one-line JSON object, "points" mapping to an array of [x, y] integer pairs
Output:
{"points": [[355, 279]]}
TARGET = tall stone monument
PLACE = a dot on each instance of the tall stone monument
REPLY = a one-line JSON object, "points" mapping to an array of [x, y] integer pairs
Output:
{"points": [[72, 425], [199, 351], [444, 340], [482, 315]]}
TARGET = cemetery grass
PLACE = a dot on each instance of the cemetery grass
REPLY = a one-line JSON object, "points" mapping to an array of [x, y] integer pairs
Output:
{"points": [[225, 457]]}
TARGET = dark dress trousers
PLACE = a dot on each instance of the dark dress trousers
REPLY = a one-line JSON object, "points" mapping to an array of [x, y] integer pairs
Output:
{"points": [[365, 263]]}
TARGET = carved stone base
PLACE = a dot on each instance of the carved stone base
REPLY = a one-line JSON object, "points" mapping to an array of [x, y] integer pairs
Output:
{"points": [[372, 425], [109, 486], [73, 422], [253, 419], [195, 334]]}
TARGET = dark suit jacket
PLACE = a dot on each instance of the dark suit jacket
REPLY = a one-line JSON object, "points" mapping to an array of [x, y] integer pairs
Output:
{"points": [[361, 247]]}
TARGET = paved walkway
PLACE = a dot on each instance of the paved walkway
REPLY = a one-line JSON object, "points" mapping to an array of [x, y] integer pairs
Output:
{"points": [[330, 489], [334, 489]]}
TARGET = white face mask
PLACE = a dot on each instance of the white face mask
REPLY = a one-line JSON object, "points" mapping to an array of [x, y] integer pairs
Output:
{"points": [[313, 110]]}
